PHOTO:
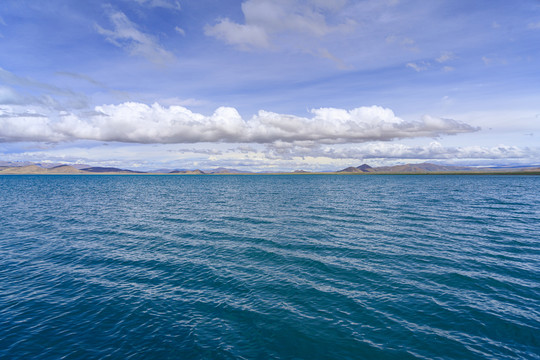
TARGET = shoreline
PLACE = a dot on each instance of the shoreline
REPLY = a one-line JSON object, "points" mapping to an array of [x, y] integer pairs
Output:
{"points": [[523, 172]]}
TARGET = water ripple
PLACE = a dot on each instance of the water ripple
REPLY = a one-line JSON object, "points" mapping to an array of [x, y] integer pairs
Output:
{"points": [[243, 267]]}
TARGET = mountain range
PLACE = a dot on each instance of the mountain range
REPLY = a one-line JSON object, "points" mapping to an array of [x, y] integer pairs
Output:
{"points": [[411, 169], [14, 168]]}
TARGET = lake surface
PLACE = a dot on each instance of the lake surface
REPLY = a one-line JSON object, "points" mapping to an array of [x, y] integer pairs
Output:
{"points": [[270, 267]]}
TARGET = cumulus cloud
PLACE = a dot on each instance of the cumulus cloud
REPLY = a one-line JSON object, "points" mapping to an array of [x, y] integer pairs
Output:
{"points": [[140, 123], [27, 127], [125, 35], [265, 19]]}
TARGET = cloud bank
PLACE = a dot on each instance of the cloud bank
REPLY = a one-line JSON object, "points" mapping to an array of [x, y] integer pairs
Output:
{"points": [[380, 150], [133, 122]]}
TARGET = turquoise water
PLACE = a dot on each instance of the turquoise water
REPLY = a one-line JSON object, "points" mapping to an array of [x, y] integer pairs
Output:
{"points": [[270, 267]]}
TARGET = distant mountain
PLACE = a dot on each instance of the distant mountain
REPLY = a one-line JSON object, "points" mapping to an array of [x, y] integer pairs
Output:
{"points": [[37, 170], [222, 170], [48, 165], [42, 165], [164, 170], [350, 169], [187, 172], [64, 169], [27, 169], [7, 167], [422, 168], [80, 166], [409, 169], [99, 169], [359, 169], [365, 168]]}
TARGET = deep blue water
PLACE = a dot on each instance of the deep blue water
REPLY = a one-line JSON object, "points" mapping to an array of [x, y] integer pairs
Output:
{"points": [[269, 267]]}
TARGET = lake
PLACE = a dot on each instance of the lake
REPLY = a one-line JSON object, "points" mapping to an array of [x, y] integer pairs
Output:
{"points": [[270, 267]]}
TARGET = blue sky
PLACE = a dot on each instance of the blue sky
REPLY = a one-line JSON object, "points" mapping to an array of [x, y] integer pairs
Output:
{"points": [[270, 85]]}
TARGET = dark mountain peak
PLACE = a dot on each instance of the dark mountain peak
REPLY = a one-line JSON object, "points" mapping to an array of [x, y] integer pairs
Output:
{"points": [[222, 170], [100, 169], [365, 168], [189, 172], [351, 169]]}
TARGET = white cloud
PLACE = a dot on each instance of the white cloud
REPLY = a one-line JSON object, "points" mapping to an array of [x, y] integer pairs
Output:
{"points": [[126, 36], [243, 36], [27, 127], [140, 123], [433, 151], [377, 152], [534, 26], [265, 19]]}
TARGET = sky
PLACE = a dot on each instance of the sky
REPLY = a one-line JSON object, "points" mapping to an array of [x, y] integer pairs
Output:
{"points": [[266, 85]]}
